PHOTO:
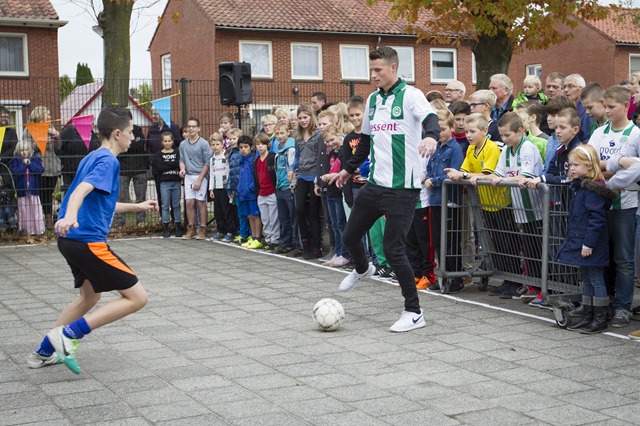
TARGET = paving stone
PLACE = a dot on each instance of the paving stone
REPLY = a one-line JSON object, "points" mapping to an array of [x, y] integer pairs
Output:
{"points": [[495, 416], [567, 415]]}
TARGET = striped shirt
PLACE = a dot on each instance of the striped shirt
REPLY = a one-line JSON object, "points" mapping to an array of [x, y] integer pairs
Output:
{"points": [[218, 171]]}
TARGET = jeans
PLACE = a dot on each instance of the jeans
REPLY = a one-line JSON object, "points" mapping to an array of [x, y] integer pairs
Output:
{"points": [[287, 218], [170, 198], [338, 222], [398, 205], [7, 216], [140, 191], [622, 228], [593, 281]]}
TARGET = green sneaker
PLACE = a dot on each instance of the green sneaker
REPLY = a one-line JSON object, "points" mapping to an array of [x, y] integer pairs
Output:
{"points": [[65, 347]]}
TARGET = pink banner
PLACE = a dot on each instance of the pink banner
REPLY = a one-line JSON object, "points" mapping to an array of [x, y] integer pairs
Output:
{"points": [[83, 126]]}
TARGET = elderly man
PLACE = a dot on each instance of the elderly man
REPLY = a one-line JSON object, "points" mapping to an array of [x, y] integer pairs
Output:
{"points": [[454, 91], [572, 88], [501, 85]]}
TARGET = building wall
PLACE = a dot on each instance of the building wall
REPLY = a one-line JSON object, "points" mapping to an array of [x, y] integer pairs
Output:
{"points": [[42, 86], [589, 53]]}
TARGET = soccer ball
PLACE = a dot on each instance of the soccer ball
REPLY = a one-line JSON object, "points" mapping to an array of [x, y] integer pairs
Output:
{"points": [[328, 314]]}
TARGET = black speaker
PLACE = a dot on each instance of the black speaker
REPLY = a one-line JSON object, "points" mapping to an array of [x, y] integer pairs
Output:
{"points": [[235, 83]]}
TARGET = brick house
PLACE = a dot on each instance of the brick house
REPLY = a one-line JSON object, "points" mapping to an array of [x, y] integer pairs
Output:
{"points": [[294, 47], [29, 58], [605, 51]]}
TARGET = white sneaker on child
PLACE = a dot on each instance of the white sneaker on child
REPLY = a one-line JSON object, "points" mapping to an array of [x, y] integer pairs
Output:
{"points": [[408, 321], [350, 281]]}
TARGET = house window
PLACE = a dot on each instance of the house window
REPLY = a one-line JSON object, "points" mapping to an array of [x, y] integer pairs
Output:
{"points": [[14, 58], [535, 69], [634, 63], [15, 107], [474, 75], [354, 62], [443, 65], [258, 54], [166, 71], [306, 61], [406, 63]]}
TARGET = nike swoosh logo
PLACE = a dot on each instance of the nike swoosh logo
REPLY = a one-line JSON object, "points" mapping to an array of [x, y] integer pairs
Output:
{"points": [[64, 348], [417, 319]]}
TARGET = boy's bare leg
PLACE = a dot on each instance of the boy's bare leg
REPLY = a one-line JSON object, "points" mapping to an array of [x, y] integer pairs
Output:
{"points": [[190, 211], [80, 306], [133, 299], [204, 216]]}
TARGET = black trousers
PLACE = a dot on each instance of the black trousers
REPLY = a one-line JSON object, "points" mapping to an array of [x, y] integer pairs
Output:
{"points": [[398, 205], [308, 214], [419, 245], [223, 212]]}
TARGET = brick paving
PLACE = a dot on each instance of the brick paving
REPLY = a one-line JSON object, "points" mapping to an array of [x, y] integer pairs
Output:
{"points": [[227, 339]]}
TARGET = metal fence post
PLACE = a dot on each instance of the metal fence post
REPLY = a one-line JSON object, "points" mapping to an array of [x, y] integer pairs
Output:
{"points": [[183, 91]]}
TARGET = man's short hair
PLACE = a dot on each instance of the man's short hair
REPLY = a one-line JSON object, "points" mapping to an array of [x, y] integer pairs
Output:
{"points": [[458, 85], [387, 53], [459, 107], [512, 121], [618, 93], [578, 78], [321, 96], [446, 117], [477, 119], [571, 114], [261, 139], [113, 117], [533, 108], [245, 140], [557, 104], [194, 119], [555, 75], [592, 92], [504, 80], [484, 95]]}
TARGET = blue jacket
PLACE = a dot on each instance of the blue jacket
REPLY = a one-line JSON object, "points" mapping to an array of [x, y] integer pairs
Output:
{"points": [[589, 202], [19, 169], [233, 158], [285, 162], [447, 155], [246, 183]]}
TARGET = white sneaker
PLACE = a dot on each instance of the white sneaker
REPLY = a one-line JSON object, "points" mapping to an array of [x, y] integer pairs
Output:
{"points": [[338, 262], [36, 360], [408, 321], [329, 261], [65, 347], [350, 281]]}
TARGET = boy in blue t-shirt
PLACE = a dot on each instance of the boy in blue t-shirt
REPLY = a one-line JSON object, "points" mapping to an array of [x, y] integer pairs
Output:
{"points": [[84, 222]]}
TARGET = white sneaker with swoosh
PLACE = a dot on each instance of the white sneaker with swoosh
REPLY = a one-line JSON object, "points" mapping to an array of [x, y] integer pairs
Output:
{"points": [[65, 347], [408, 321]]}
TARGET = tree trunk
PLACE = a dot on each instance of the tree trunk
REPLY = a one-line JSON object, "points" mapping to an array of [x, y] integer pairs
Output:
{"points": [[493, 55], [115, 20]]}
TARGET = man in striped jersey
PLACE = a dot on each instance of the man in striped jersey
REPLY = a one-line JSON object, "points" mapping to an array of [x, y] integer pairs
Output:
{"points": [[392, 137]]}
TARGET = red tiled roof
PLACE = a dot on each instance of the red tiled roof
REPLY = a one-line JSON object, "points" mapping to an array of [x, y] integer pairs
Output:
{"points": [[27, 9], [619, 26], [352, 16]]}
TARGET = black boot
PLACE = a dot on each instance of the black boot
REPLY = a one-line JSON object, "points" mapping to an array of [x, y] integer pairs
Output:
{"points": [[178, 230], [585, 321], [578, 312], [599, 322], [165, 230]]}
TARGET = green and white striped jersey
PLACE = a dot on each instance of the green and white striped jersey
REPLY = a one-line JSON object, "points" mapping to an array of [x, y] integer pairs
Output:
{"points": [[394, 122]]}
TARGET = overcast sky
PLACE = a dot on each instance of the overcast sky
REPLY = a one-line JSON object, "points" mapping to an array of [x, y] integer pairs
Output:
{"points": [[78, 43]]}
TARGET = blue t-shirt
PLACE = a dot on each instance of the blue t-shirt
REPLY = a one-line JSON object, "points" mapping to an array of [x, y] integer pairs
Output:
{"points": [[102, 170]]}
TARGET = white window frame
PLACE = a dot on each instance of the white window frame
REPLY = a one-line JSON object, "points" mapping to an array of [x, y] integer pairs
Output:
{"points": [[455, 64], [306, 77], [413, 61], [343, 75], [166, 82], [25, 56], [632, 55], [270, 59], [474, 74], [15, 107], [534, 67]]}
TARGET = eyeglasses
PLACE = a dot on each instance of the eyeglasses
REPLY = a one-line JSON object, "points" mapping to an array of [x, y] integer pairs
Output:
{"points": [[475, 104], [447, 90], [570, 86]]}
